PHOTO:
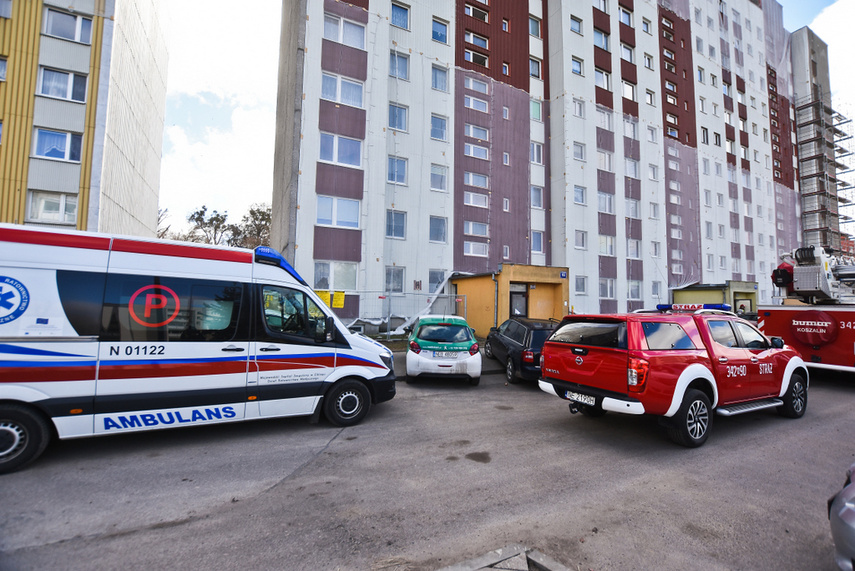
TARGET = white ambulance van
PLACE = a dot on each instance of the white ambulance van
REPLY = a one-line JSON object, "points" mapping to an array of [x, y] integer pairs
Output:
{"points": [[110, 334]]}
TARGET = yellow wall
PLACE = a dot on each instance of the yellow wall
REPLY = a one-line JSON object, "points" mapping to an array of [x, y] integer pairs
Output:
{"points": [[484, 309], [728, 293]]}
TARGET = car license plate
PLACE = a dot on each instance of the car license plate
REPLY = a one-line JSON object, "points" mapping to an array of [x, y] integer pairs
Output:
{"points": [[584, 399], [445, 354]]}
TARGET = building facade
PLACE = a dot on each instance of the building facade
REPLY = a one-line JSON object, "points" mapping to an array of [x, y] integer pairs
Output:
{"points": [[81, 110], [645, 145]]}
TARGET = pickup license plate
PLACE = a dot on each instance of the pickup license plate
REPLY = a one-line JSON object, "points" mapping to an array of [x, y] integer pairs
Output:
{"points": [[584, 399], [445, 354]]}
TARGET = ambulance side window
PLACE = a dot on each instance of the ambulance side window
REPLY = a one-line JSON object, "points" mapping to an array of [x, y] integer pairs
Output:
{"points": [[81, 295], [291, 312], [148, 308]]}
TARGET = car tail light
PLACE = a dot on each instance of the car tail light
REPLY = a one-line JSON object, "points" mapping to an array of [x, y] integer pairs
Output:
{"points": [[528, 356], [473, 349], [414, 347], [636, 374]]}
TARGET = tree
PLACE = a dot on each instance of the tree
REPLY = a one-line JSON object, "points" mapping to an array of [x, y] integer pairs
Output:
{"points": [[210, 229], [254, 228], [162, 227]]}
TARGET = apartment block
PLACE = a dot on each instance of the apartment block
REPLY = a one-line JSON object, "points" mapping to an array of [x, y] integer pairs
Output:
{"points": [[645, 145], [82, 97]]}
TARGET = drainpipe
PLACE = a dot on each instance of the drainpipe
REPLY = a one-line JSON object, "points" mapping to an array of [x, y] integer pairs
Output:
{"points": [[496, 302]]}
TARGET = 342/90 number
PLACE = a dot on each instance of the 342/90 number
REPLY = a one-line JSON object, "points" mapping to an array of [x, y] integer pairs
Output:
{"points": [[737, 370]]}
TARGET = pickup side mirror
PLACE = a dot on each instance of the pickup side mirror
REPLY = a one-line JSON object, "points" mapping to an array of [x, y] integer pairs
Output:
{"points": [[777, 343], [493, 329]]}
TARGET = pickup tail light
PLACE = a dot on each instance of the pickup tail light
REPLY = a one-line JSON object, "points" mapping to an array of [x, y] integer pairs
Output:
{"points": [[414, 347], [528, 356], [636, 374], [473, 349]]}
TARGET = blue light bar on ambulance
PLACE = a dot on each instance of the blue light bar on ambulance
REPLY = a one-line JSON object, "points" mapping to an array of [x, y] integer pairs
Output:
{"points": [[693, 306], [269, 256]]}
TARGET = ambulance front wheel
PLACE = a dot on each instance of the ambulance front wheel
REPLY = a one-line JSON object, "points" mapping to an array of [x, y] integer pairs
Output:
{"points": [[24, 434], [347, 403]]}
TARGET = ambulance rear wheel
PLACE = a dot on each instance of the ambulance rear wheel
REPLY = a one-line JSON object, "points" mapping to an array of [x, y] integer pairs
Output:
{"points": [[347, 403], [24, 434]]}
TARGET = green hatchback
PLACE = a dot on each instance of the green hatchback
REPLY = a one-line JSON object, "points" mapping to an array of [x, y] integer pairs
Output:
{"points": [[443, 345]]}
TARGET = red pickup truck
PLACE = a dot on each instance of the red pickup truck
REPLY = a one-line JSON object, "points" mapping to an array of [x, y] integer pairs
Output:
{"points": [[681, 363]]}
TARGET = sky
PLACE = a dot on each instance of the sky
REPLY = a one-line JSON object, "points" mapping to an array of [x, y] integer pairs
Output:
{"points": [[221, 97]]}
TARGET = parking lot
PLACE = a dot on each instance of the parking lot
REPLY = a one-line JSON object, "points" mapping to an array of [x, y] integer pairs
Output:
{"points": [[442, 473]]}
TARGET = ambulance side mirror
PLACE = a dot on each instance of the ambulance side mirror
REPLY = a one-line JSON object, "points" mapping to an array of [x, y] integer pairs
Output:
{"points": [[328, 334]]}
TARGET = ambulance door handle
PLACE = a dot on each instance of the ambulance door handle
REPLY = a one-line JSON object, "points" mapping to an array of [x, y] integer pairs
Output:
{"points": [[233, 349], [270, 349]]}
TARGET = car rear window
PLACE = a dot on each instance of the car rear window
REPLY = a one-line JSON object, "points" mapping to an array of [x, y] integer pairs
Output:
{"points": [[538, 337], [609, 334], [444, 333], [665, 336]]}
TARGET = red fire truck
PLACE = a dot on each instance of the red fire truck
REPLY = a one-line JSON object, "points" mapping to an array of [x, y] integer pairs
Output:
{"points": [[818, 312]]}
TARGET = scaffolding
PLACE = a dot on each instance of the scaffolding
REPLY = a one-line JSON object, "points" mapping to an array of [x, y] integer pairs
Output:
{"points": [[824, 142]]}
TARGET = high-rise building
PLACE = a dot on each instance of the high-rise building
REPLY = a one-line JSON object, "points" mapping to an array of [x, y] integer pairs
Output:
{"points": [[82, 103], [646, 145]]}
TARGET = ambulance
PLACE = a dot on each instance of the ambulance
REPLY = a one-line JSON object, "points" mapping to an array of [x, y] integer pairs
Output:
{"points": [[108, 334]]}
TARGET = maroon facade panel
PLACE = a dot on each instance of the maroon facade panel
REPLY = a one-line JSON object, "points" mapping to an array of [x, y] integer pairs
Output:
{"points": [[628, 72], [602, 21], [630, 107], [604, 97], [608, 306], [334, 180], [602, 59], [605, 140], [735, 250], [606, 181], [635, 269], [734, 220], [344, 60], [732, 190], [608, 267], [632, 188], [339, 244], [633, 230], [607, 224], [632, 148], [341, 120], [748, 222], [350, 309]]}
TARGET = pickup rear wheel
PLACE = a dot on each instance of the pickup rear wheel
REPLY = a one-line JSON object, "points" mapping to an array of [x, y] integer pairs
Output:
{"points": [[24, 434], [795, 399], [692, 423], [347, 403]]}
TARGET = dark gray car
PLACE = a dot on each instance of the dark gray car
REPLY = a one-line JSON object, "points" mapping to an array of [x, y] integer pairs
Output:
{"points": [[517, 343], [841, 515]]}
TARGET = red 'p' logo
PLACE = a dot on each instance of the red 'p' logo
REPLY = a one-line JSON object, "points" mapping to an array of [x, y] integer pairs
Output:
{"points": [[157, 297]]}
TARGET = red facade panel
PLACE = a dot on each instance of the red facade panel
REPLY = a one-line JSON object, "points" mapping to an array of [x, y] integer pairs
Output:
{"points": [[341, 120], [344, 60], [334, 180], [337, 244]]}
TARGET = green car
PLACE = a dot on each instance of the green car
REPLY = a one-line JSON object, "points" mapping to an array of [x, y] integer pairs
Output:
{"points": [[443, 345]]}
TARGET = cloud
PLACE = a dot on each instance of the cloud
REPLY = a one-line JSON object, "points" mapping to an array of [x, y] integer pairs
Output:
{"points": [[834, 26]]}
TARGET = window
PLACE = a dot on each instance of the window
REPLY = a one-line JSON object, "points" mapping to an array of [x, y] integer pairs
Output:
{"points": [[708, 230], [605, 203], [506, 68], [627, 53], [579, 151], [537, 241], [394, 279], [654, 210], [476, 13], [632, 208], [476, 85], [61, 84], [438, 177], [577, 66], [601, 39], [575, 24], [650, 97], [633, 249], [475, 103], [630, 128], [668, 53], [344, 32], [435, 280], [579, 108], [475, 151], [506, 27], [341, 150], [475, 249], [74, 28], [656, 249], [607, 288], [397, 171], [671, 86], [396, 224], [53, 207], [506, 204], [506, 159], [602, 5], [401, 16], [651, 134], [631, 168], [607, 245], [580, 195], [438, 128], [604, 161], [475, 228], [602, 79], [397, 117], [645, 26], [339, 276], [581, 240], [536, 153], [476, 132], [534, 26], [438, 229], [440, 31], [475, 179], [3, 70], [582, 285], [476, 40], [476, 57], [629, 91], [625, 16], [58, 145], [475, 199], [439, 78], [534, 67], [399, 65], [648, 61], [337, 89], [341, 212], [536, 197], [535, 109], [634, 289]]}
